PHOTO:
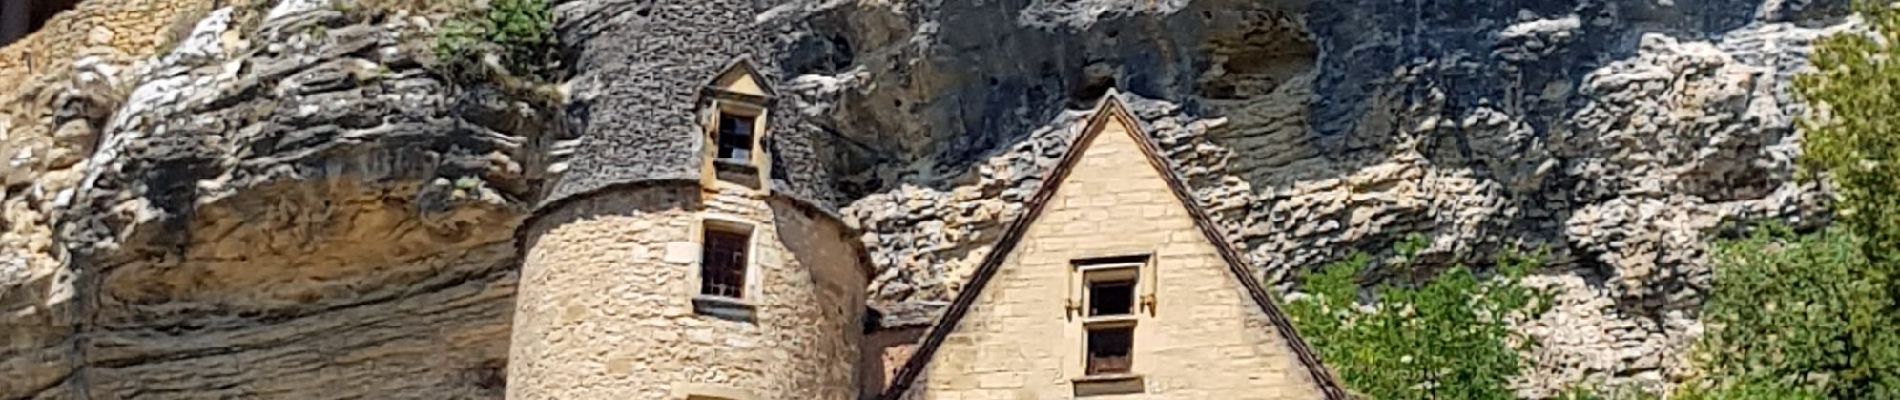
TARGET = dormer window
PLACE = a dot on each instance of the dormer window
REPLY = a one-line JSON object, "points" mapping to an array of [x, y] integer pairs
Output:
{"points": [[735, 109], [735, 138]]}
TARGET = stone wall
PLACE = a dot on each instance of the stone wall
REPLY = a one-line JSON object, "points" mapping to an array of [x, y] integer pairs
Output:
{"points": [[125, 29], [640, 66], [606, 304], [1205, 339]]}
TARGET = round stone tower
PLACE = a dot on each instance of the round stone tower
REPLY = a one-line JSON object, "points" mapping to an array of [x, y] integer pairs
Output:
{"points": [[683, 249]]}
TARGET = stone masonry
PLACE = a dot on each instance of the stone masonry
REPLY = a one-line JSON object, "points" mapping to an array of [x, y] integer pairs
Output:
{"points": [[640, 67], [606, 302], [1204, 340]]}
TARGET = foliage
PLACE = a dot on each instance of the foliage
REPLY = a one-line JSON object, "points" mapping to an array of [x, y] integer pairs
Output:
{"points": [[1593, 392], [519, 34], [1852, 138], [1813, 316], [1747, 391], [1448, 338], [1798, 316]]}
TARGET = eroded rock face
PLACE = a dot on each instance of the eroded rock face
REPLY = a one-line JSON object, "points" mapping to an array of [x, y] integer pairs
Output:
{"points": [[289, 204], [1621, 136]]}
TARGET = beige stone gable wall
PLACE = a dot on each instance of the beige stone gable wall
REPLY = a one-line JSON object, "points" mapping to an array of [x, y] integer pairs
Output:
{"points": [[1205, 340]]}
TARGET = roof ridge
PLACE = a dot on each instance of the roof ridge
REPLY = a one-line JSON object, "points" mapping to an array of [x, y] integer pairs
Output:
{"points": [[1109, 109]]}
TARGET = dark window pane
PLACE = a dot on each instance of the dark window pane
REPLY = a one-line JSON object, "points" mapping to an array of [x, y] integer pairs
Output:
{"points": [[1110, 350], [722, 264], [735, 137], [1111, 298]]}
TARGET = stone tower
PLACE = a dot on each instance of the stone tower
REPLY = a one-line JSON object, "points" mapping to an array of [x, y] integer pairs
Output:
{"points": [[684, 249]]}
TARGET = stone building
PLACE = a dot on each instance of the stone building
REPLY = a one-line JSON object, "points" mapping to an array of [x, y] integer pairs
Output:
{"points": [[1114, 283], [715, 283], [682, 248], [686, 248]]}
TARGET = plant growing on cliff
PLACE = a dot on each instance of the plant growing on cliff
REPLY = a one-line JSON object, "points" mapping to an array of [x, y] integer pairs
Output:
{"points": [[1448, 338], [1851, 138], [1813, 316], [1798, 316], [518, 34]]}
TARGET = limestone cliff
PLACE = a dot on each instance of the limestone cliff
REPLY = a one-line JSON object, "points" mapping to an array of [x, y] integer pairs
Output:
{"points": [[282, 199], [1620, 135], [283, 204]]}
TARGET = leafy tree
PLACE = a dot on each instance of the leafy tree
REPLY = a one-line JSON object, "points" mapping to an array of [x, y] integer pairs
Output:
{"points": [[1798, 316], [1815, 316], [1851, 138], [1445, 339]]}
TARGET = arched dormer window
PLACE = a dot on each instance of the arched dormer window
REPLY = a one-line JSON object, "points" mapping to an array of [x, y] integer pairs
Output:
{"points": [[735, 106]]}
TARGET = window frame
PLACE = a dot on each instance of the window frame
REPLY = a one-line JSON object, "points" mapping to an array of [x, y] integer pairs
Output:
{"points": [[751, 172], [752, 116], [739, 308], [1110, 272], [1089, 357], [1137, 271]]}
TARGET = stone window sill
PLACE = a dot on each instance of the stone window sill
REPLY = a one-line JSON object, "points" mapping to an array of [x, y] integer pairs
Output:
{"points": [[735, 165], [725, 308], [1107, 384], [736, 171], [1104, 321]]}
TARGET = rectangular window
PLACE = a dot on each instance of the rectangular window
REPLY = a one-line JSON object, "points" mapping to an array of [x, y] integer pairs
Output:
{"points": [[735, 137], [1115, 297], [1109, 290], [723, 262], [1110, 349]]}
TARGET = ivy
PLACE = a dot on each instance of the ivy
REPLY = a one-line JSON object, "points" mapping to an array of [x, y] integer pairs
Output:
{"points": [[1448, 338]]}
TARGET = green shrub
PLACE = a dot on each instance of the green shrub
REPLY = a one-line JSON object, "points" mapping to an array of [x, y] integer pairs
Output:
{"points": [[1814, 316], [1853, 141], [1747, 391], [1445, 339], [518, 33], [1798, 315]]}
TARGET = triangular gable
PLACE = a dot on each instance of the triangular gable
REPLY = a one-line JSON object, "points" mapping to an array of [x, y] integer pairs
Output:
{"points": [[742, 78], [1110, 111]]}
